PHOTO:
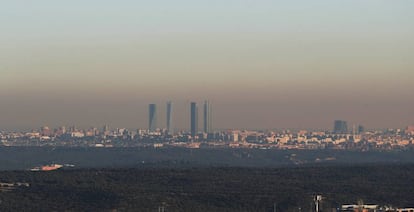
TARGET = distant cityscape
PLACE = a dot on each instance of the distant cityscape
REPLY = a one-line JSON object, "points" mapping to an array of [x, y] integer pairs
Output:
{"points": [[340, 137]]}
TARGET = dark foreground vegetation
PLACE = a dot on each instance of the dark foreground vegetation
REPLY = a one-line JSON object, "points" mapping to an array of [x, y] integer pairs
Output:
{"points": [[207, 189], [21, 158]]}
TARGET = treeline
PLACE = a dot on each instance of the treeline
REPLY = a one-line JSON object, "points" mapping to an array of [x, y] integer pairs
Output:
{"points": [[208, 189]]}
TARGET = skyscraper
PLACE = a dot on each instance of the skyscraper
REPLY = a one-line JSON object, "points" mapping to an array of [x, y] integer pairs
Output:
{"points": [[194, 119], [340, 127], [207, 117], [361, 129], [152, 117], [169, 118]]}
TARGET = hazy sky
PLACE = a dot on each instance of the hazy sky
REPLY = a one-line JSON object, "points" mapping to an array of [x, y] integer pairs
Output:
{"points": [[262, 63]]}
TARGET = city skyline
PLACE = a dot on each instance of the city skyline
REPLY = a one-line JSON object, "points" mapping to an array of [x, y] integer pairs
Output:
{"points": [[339, 126], [264, 64], [184, 111], [186, 105]]}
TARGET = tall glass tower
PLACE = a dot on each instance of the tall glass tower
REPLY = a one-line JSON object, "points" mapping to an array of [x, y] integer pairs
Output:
{"points": [[207, 117], [340, 127], [152, 117], [194, 119], [169, 118]]}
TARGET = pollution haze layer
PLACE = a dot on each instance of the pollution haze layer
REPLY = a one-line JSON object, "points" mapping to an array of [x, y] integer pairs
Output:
{"points": [[262, 64]]}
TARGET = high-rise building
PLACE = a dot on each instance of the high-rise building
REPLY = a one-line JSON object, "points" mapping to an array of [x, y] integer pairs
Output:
{"points": [[152, 117], [207, 117], [194, 119], [340, 127], [361, 129], [169, 118]]}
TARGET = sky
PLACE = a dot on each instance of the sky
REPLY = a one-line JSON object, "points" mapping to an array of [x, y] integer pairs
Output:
{"points": [[264, 64]]}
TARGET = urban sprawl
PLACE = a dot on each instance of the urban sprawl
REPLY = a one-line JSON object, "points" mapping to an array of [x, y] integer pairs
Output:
{"points": [[340, 137]]}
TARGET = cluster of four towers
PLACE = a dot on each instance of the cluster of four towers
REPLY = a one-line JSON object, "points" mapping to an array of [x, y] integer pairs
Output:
{"points": [[207, 121]]}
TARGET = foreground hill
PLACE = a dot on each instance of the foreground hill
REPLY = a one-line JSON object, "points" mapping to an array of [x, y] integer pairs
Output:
{"points": [[207, 189]]}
